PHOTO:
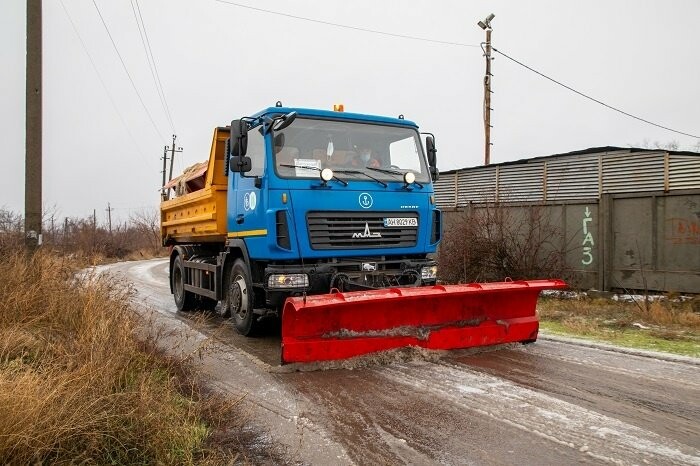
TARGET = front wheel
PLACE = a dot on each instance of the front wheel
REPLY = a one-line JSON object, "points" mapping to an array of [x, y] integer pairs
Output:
{"points": [[239, 300], [184, 300]]}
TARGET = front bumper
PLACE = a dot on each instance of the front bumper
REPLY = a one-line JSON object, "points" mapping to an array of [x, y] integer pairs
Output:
{"points": [[349, 275]]}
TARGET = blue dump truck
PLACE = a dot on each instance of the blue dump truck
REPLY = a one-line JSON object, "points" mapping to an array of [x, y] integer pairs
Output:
{"points": [[328, 220]]}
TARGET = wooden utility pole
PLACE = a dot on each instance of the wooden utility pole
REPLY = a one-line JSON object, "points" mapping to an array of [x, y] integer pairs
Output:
{"points": [[109, 217], [33, 147], [486, 26], [94, 228], [172, 156]]}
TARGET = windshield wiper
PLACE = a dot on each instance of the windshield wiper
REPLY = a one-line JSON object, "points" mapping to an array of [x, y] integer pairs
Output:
{"points": [[345, 183], [394, 172], [358, 172], [384, 170]]}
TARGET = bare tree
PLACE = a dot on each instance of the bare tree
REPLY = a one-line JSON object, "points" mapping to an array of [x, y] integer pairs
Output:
{"points": [[147, 223]]}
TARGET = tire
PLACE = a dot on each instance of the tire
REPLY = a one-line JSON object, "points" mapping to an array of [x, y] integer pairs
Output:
{"points": [[240, 298], [184, 300]]}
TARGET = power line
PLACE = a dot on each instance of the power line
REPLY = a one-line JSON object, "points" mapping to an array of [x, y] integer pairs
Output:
{"points": [[594, 99], [104, 86], [345, 26], [127, 70], [151, 59], [459, 44]]}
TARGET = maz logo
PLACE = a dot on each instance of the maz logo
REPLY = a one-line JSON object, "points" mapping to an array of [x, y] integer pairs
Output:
{"points": [[367, 233]]}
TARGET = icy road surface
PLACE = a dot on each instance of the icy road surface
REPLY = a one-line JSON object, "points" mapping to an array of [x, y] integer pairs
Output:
{"points": [[547, 403]]}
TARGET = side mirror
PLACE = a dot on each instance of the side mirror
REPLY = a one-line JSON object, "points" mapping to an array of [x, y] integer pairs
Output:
{"points": [[284, 121], [238, 147], [241, 163], [432, 157], [432, 151], [239, 138]]}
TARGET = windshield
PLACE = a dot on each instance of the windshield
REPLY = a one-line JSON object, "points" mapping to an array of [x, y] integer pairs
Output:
{"points": [[355, 150]]}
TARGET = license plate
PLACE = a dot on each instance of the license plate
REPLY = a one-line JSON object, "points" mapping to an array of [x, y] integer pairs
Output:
{"points": [[400, 222]]}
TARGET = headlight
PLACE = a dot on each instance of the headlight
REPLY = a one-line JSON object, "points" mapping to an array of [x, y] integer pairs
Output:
{"points": [[326, 174], [292, 280], [409, 177], [428, 273]]}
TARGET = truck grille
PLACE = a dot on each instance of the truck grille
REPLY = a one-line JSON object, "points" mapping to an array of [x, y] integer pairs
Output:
{"points": [[359, 230]]}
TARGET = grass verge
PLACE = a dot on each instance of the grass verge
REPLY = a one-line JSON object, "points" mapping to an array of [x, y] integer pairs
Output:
{"points": [[77, 386], [667, 325]]}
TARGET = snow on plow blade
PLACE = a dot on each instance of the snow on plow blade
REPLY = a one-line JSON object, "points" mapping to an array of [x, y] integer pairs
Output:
{"points": [[343, 325]]}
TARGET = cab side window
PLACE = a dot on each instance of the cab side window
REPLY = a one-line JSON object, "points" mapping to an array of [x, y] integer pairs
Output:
{"points": [[256, 151]]}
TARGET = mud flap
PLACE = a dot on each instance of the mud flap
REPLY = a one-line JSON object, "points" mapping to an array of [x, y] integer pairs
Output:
{"points": [[343, 325]]}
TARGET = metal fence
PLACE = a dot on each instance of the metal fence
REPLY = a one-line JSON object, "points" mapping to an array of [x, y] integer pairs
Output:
{"points": [[628, 218]]}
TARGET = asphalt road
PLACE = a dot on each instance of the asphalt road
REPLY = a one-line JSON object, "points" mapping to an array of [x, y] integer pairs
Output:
{"points": [[551, 402]]}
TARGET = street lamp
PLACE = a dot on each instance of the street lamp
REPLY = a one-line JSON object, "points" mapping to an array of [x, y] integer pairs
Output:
{"points": [[486, 23]]}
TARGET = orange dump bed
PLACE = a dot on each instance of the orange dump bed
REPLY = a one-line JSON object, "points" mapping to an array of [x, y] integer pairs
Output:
{"points": [[196, 212]]}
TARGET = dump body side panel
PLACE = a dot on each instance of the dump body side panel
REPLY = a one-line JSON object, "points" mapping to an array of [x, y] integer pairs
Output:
{"points": [[199, 216]]}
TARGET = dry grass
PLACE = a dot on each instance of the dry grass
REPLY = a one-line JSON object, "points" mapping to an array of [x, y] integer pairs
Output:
{"points": [[75, 384], [667, 325], [670, 314]]}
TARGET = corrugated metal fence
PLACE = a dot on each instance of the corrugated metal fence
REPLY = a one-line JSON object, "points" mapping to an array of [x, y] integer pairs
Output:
{"points": [[629, 219]]}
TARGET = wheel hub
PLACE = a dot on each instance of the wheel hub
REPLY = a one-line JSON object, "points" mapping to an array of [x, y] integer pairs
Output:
{"points": [[239, 297]]}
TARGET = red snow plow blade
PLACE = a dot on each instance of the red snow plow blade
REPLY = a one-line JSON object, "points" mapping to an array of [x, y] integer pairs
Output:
{"points": [[343, 325]]}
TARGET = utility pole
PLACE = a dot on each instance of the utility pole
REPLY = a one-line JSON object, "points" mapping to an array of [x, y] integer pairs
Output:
{"points": [[109, 210], [33, 147], [486, 26], [163, 192], [94, 228], [172, 156]]}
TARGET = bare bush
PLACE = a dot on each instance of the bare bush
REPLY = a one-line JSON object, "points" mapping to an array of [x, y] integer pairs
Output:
{"points": [[137, 238], [11, 227], [147, 224], [492, 241]]}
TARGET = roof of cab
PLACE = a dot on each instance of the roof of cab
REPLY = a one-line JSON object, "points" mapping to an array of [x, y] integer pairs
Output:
{"points": [[310, 112]]}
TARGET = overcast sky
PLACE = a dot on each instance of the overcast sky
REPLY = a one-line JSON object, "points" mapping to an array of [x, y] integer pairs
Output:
{"points": [[218, 61]]}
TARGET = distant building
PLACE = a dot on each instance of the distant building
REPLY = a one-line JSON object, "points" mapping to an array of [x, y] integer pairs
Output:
{"points": [[629, 218]]}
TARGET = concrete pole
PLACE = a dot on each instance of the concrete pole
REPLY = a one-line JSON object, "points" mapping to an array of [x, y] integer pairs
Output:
{"points": [[487, 100], [172, 158], [163, 192], [33, 127]]}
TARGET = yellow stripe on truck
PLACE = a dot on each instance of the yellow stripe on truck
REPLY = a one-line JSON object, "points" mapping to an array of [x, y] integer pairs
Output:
{"points": [[241, 234]]}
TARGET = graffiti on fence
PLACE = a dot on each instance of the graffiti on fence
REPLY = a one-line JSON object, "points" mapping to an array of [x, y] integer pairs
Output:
{"points": [[588, 242], [682, 231]]}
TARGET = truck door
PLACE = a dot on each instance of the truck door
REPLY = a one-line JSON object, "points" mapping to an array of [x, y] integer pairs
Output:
{"points": [[249, 220]]}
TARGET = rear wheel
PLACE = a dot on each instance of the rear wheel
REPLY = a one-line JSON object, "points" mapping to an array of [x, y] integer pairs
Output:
{"points": [[240, 300], [184, 300]]}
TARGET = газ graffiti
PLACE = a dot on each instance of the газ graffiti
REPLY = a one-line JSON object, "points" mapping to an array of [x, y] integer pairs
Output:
{"points": [[588, 242]]}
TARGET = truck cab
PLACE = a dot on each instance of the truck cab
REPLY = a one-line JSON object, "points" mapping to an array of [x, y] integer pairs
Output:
{"points": [[316, 201]]}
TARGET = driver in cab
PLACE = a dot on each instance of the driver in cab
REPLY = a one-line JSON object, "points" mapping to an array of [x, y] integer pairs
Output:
{"points": [[366, 157]]}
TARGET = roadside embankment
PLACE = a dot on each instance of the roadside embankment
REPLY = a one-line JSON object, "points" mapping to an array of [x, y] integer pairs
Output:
{"points": [[668, 324], [77, 385]]}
